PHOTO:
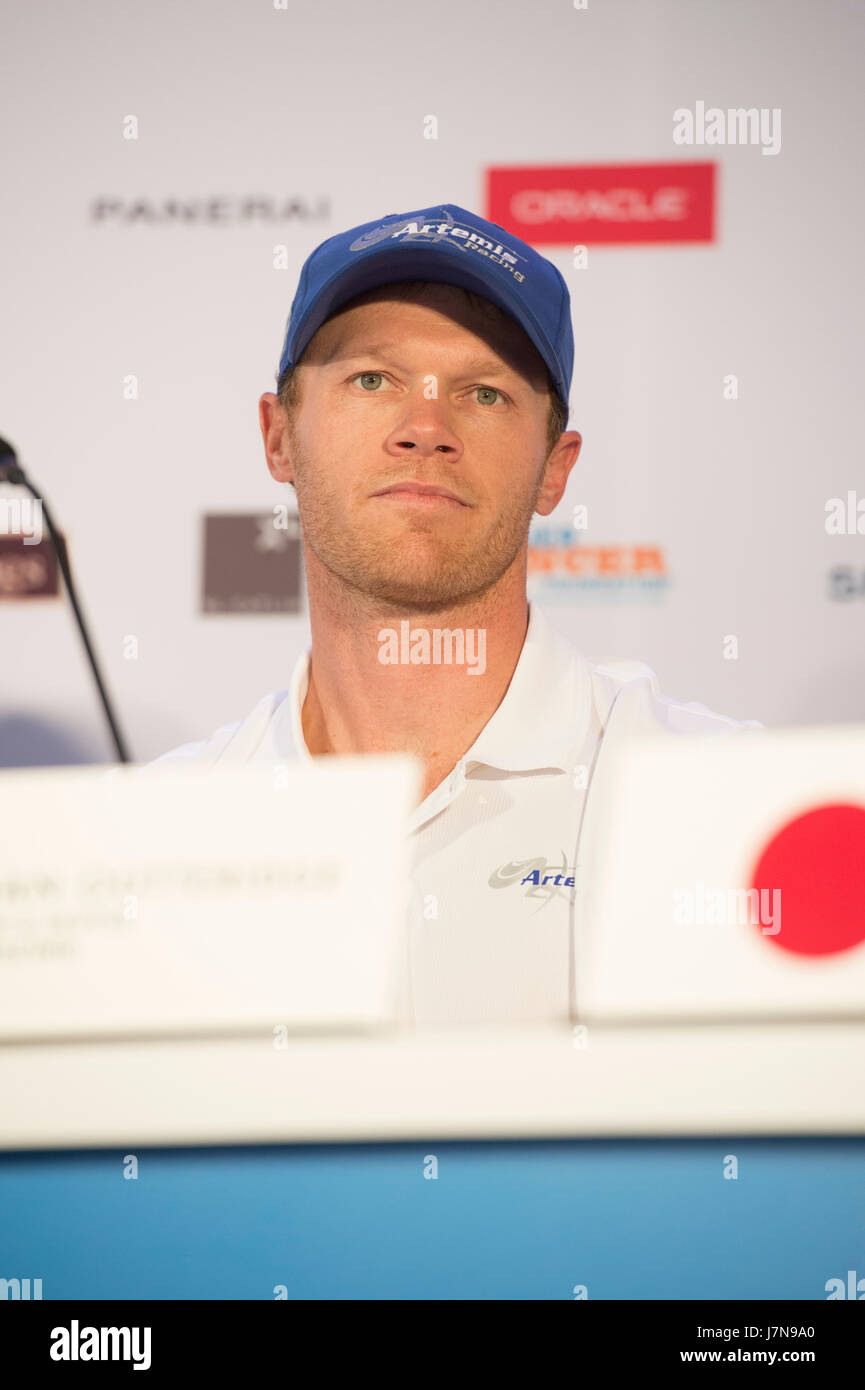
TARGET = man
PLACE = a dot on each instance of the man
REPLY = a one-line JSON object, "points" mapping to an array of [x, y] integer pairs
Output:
{"points": [[420, 416]]}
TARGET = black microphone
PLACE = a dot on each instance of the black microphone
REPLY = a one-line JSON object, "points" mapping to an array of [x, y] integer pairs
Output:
{"points": [[12, 472]]}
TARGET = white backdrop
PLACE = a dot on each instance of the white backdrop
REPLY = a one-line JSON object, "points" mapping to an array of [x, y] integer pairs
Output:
{"points": [[326, 105]]}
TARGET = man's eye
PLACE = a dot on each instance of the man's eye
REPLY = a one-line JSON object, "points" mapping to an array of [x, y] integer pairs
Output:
{"points": [[369, 380], [490, 391]]}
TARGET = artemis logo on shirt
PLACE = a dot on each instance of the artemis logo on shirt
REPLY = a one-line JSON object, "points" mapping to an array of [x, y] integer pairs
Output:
{"points": [[536, 877]]}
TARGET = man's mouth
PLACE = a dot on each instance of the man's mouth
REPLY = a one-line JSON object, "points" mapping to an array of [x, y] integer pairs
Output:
{"points": [[423, 494]]}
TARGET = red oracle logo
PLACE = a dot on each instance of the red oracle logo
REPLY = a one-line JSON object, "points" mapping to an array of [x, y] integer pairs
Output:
{"points": [[817, 861], [604, 203]]}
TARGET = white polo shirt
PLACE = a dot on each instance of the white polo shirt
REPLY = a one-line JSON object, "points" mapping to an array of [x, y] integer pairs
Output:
{"points": [[494, 892]]}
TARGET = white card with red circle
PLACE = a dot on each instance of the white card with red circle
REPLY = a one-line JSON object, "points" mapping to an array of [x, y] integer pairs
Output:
{"points": [[724, 876]]}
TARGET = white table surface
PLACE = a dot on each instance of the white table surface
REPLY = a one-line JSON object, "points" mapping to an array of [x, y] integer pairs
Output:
{"points": [[484, 1083]]}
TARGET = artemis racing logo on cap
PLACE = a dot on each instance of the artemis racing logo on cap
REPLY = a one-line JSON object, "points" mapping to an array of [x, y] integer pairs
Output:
{"points": [[432, 231], [465, 237], [536, 877]]}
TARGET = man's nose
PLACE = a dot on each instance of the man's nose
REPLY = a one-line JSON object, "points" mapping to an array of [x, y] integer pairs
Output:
{"points": [[426, 429]]}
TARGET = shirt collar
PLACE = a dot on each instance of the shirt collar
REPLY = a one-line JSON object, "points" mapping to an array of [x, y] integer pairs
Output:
{"points": [[546, 709], [296, 696], [541, 722]]}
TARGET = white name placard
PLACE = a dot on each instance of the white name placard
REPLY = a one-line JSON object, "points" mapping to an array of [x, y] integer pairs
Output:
{"points": [[178, 899]]}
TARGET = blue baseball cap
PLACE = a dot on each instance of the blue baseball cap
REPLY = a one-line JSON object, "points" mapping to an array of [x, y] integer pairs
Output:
{"points": [[450, 245]]}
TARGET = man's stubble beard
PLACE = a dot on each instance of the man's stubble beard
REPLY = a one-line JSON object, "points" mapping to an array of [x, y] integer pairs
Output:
{"points": [[429, 568]]}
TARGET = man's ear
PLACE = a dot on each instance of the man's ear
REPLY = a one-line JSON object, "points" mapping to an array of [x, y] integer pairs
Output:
{"points": [[273, 420], [560, 461]]}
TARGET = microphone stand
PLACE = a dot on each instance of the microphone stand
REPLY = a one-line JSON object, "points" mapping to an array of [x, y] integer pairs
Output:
{"points": [[12, 472]]}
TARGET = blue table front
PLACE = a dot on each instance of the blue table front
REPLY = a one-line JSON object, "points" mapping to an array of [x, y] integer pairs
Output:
{"points": [[516, 1219]]}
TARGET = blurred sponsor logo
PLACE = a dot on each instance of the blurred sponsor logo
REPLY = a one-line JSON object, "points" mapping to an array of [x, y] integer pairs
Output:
{"points": [[252, 563], [213, 212], [562, 566], [598, 203], [846, 582], [27, 570]]}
